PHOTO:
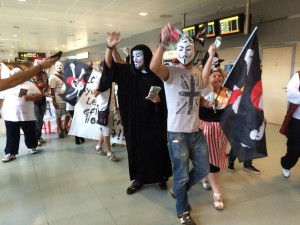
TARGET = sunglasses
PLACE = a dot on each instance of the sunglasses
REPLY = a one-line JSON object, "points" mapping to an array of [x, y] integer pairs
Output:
{"points": [[215, 70]]}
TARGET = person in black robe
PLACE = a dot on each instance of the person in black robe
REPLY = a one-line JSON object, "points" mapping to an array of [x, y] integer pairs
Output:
{"points": [[144, 120]]}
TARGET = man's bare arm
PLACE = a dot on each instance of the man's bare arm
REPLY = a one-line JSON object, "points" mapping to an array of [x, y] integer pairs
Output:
{"points": [[25, 75], [156, 63], [116, 56], [112, 40], [207, 66]]}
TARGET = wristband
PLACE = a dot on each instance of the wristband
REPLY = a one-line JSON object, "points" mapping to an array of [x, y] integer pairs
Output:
{"points": [[109, 47]]}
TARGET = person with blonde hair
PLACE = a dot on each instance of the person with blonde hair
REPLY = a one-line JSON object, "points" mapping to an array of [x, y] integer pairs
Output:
{"points": [[212, 107]]}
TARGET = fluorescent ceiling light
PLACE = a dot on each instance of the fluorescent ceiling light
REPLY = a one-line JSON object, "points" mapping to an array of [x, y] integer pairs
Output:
{"points": [[143, 14], [294, 16]]}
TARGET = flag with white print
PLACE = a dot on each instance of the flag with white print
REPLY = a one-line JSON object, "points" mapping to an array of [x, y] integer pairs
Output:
{"points": [[76, 75], [243, 119], [84, 123]]}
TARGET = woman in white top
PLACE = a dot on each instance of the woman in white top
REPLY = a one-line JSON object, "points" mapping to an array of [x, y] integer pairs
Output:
{"points": [[18, 112], [102, 101]]}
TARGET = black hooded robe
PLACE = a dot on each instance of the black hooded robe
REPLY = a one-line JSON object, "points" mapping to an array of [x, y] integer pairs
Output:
{"points": [[144, 122]]}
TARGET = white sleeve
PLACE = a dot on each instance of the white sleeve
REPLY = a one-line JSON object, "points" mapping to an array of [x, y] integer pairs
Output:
{"points": [[1, 94], [293, 93], [96, 83]]}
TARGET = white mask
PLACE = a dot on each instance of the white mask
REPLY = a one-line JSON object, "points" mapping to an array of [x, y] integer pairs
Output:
{"points": [[138, 59], [58, 66], [185, 50]]}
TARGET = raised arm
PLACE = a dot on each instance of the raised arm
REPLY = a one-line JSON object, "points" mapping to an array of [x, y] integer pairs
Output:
{"points": [[112, 40], [207, 67], [116, 56], [26, 74], [156, 63]]}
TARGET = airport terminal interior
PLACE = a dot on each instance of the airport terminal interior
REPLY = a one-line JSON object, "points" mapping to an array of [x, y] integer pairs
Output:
{"points": [[69, 184]]}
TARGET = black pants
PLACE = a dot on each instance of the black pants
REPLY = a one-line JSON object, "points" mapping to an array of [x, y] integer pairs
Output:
{"points": [[293, 145], [39, 112], [13, 136], [232, 158]]}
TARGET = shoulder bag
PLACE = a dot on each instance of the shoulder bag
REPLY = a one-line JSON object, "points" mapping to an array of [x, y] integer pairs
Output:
{"points": [[103, 115]]}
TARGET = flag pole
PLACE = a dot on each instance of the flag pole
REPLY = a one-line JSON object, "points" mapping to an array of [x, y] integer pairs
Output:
{"points": [[240, 54]]}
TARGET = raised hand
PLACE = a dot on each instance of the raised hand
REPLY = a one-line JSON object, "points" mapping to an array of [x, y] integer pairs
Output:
{"points": [[212, 49], [166, 34], [113, 39]]}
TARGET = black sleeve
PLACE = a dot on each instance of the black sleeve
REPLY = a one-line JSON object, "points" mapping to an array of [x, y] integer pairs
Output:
{"points": [[106, 78]]}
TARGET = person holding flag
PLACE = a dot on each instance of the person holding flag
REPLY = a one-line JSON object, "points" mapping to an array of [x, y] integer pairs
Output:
{"points": [[248, 166], [243, 119]]}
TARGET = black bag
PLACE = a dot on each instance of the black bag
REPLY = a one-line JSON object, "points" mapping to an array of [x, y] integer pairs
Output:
{"points": [[103, 117]]}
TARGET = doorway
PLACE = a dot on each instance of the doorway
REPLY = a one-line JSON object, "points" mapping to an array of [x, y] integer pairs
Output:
{"points": [[277, 70]]}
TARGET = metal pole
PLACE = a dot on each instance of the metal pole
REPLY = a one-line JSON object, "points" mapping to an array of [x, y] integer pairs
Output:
{"points": [[183, 20], [247, 19]]}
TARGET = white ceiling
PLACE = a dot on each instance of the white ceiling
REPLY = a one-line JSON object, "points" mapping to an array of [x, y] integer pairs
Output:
{"points": [[52, 25]]}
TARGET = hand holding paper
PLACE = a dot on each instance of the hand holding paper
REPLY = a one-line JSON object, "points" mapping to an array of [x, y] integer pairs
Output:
{"points": [[153, 94]]}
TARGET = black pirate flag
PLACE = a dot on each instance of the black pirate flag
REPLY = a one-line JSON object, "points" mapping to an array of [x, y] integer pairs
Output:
{"points": [[76, 76], [243, 119]]}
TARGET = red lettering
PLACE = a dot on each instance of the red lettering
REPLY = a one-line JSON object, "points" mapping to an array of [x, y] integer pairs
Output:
{"points": [[49, 128], [44, 128]]}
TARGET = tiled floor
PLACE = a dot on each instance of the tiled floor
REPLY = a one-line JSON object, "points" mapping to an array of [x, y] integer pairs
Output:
{"points": [[67, 184]]}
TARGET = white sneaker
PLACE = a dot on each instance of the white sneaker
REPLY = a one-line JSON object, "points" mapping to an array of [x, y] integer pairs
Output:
{"points": [[32, 150], [42, 140], [286, 173], [8, 158]]}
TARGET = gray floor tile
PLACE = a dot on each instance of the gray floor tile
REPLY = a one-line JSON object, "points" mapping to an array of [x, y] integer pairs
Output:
{"points": [[71, 184]]}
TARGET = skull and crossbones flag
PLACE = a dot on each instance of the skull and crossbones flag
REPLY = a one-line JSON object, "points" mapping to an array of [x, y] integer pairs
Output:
{"points": [[76, 75], [243, 119]]}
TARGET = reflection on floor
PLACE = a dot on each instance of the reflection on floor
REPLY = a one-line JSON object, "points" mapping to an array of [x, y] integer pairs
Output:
{"points": [[68, 184]]}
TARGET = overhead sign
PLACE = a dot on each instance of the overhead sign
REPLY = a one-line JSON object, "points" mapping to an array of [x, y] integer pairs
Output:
{"points": [[30, 56]]}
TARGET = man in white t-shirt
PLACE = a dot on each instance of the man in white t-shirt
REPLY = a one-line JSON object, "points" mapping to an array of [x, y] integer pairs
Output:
{"points": [[58, 87], [186, 141], [18, 113]]}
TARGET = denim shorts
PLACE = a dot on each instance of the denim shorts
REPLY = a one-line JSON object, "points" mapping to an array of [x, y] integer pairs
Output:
{"points": [[61, 110]]}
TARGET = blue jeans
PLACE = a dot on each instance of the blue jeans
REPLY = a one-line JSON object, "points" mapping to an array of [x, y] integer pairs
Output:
{"points": [[182, 148]]}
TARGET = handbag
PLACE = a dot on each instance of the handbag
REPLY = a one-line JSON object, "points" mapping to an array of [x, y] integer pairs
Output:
{"points": [[103, 115], [286, 122]]}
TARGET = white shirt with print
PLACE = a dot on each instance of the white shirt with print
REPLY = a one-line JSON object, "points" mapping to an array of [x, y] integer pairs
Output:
{"points": [[183, 98]]}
